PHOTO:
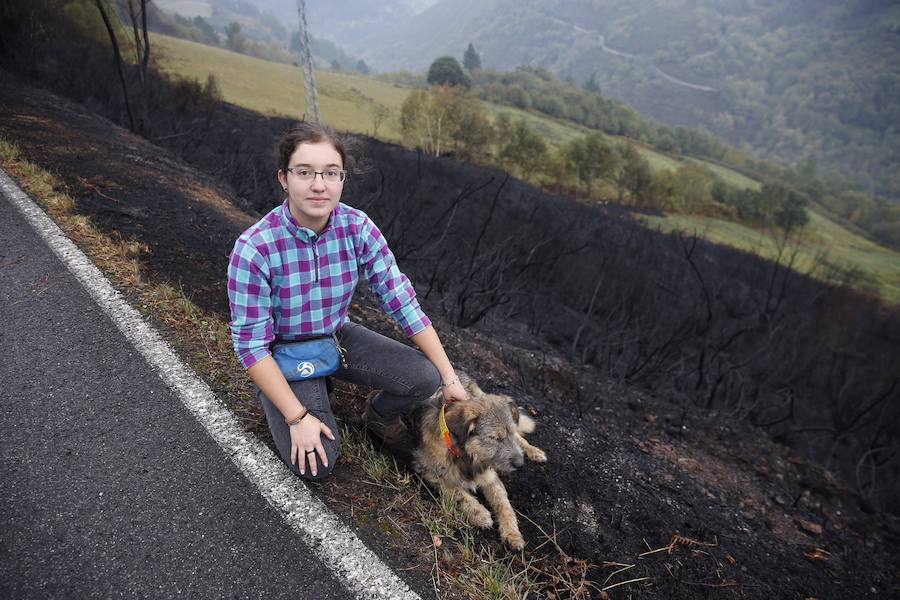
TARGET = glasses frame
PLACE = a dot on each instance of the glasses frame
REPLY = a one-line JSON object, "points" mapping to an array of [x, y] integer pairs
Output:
{"points": [[342, 172]]}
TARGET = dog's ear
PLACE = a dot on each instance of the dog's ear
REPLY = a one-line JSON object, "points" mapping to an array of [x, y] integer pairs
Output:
{"points": [[513, 409], [524, 423], [473, 389], [461, 421]]}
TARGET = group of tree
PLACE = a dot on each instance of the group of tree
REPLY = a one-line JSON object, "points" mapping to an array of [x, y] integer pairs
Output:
{"points": [[537, 89], [447, 119]]}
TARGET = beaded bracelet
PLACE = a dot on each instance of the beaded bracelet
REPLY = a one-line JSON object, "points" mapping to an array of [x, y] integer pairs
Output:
{"points": [[451, 382]]}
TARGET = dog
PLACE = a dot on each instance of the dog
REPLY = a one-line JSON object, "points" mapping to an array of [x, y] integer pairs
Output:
{"points": [[467, 448]]}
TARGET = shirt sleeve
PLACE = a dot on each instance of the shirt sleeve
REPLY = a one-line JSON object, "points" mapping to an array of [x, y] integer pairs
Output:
{"points": [[249, 296], [392, 288]]}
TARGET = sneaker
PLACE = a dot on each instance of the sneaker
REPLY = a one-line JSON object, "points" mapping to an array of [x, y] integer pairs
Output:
{"points": [[392, 432]]}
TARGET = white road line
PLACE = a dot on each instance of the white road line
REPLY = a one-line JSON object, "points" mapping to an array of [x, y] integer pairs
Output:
{"points": [[334, 543]]}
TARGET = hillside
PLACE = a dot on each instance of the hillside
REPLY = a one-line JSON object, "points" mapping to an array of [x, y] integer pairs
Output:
{"points": [[790, 81], [689, 503], [348, 102]]}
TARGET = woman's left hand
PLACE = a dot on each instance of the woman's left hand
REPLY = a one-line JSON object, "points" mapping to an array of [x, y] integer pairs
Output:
{"points": [[454, 392]]}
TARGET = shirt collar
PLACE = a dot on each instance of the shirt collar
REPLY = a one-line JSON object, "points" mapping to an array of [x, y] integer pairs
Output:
{"points": [[304, 233]]}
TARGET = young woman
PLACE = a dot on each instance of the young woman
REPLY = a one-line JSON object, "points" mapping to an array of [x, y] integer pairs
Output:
{"points": [[291, 277]]}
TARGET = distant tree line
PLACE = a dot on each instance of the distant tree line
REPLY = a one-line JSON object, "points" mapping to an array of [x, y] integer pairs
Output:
{"points": [[691, 188], [450, 119]]}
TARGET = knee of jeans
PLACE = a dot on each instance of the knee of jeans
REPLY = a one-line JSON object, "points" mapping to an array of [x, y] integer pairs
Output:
{"points": [[428, 382]]}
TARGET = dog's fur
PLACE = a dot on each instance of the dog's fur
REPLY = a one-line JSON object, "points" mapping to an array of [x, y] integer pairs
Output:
{"points": [[488, 429]]}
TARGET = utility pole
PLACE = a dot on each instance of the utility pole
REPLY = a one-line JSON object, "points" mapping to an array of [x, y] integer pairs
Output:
{"points": [[309, 80]]}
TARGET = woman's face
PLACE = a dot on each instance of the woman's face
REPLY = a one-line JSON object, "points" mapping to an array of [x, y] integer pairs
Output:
{"points": [[311, 201]]}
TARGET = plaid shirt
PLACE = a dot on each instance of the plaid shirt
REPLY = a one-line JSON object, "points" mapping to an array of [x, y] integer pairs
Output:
{"points": [[286, 283]]}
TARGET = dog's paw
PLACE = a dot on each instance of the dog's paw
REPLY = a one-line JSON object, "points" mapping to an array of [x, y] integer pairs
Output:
{"points": [[535, 454], [514, 540], [480, 517]]}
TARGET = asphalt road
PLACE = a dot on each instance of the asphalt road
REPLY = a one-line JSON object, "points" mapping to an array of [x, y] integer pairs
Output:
{"points": [[109, 487]]}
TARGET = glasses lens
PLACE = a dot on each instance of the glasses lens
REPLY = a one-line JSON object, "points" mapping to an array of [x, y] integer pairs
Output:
{"points": [[333, 176]]}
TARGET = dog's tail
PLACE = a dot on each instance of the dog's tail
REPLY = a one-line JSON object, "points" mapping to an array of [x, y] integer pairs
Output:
{"points": [[526, 423]]}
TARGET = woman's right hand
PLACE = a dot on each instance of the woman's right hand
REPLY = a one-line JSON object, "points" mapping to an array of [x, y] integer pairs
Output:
{"points": [[306, 436]]}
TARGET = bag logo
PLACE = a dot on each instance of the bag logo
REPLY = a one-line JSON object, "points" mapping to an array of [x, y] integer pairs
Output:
{"points": [[306, 369]]}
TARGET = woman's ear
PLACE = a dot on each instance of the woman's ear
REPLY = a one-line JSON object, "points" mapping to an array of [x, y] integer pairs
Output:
{"points": [[282, 179]]}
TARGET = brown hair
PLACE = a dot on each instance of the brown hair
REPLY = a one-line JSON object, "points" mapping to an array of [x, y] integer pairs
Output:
{"points": [[311, 133]]}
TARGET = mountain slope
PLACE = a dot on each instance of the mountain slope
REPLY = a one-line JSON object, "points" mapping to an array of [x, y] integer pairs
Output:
{"points": [[792, 81]]}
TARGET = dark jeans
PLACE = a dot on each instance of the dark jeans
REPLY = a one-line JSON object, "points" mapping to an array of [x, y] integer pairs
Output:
{"points": [[404, 375]]}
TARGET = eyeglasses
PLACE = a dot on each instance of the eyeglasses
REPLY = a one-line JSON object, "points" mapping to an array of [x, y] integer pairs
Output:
{"points": [[328, 175]]}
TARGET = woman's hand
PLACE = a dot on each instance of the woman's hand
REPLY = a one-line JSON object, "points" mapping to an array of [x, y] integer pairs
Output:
{"points": [[454, 392], [306, 440]]}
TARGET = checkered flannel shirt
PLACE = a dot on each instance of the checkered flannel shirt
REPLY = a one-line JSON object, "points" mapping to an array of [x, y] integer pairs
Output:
{"points": [[287, 283]]}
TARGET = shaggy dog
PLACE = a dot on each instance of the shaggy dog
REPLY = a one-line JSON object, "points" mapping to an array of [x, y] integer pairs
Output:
{"points": [[482, 437]]}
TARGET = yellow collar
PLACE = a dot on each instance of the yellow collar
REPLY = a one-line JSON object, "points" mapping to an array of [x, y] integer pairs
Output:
{"points": [[448, 439]]}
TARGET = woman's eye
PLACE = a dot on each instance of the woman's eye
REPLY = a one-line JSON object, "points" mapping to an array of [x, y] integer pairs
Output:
{"points": [[304, 172], [331, 173]]}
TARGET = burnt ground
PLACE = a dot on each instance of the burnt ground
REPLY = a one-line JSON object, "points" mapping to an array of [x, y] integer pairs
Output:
{"points": [[627, 471]]}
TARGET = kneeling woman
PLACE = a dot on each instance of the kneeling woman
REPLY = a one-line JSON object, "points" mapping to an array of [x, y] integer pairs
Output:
{"points": [[291, 277]]}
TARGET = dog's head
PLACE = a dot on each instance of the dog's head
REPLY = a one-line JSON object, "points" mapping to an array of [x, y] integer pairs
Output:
{"points": [[484, 427]]}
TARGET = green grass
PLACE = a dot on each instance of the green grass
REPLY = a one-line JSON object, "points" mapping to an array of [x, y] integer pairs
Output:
{"points": [[346, 100], [879, 266], [727, 175]]}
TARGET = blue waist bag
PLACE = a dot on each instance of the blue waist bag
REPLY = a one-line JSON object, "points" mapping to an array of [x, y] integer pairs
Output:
{"points": [[310, 358]]}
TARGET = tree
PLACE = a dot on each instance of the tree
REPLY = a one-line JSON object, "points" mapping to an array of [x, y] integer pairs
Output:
{"points": [[471, 59], [379, 114], [235, 40], [634, 175], [447, 71], [518, 97], [525, 149], [425, 121], [593, 158], [788, 206], [472, 132], [663, 190], [142, 58], [209, 35], [362, 67], [591, 85], [443, 117], [693, 188]]}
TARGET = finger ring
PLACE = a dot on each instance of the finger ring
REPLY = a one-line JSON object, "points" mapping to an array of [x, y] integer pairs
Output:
{"points": [[310, 451]]}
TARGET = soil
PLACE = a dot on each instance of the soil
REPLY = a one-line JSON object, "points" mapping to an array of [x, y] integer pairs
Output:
{"points": [[728, 512]]}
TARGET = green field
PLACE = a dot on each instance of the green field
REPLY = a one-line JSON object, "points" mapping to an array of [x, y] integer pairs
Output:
{"points": [[347, 102], [821, 239]]}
